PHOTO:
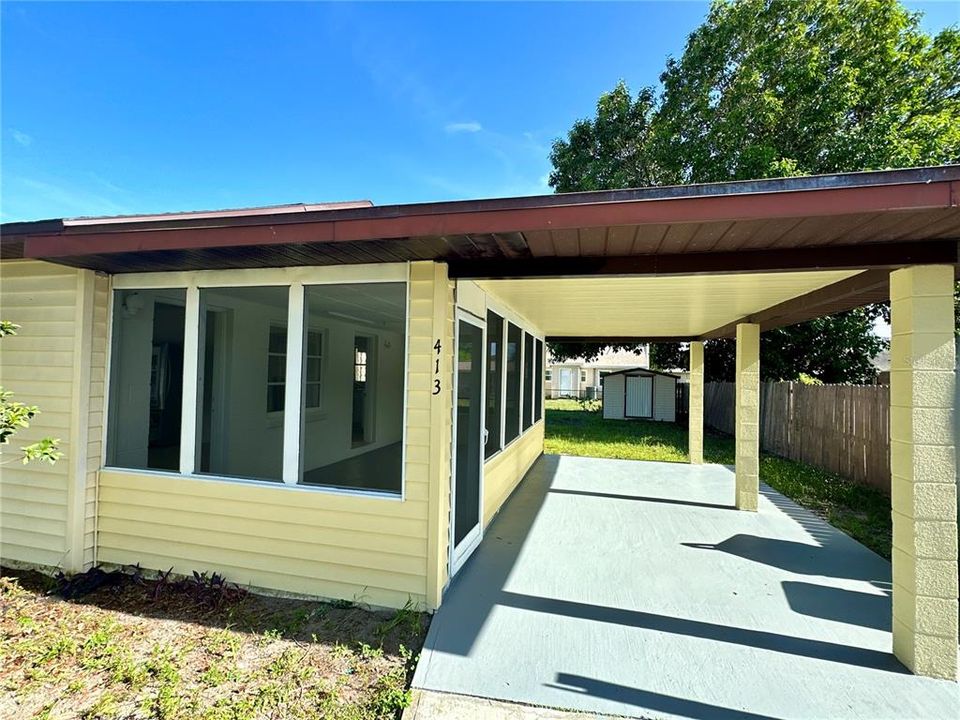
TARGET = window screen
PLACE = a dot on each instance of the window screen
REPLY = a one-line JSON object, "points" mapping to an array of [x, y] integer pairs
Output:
{"points": [[241, 381], [146, 384], [494, 366], [529, 361], [538, 391], [351, 393], [354, 369], [512, 401]]}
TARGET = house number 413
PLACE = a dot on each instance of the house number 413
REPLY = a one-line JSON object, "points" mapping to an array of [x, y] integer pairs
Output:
{"points": [[436, 368]]}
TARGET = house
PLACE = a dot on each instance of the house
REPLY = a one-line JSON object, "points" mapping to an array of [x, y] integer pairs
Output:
{"points": [[335, 400], [581, 378], [640, 393]]}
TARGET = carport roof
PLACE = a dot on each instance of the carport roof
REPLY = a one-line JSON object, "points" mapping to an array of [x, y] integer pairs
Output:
{"points": [[840, 225]]}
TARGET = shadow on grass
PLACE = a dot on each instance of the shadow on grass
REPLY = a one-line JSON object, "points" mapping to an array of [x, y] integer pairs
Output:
{"points": [[305, 621]]}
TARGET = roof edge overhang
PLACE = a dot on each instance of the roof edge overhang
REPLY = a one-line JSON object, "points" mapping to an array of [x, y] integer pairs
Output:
{"points": [[814, 196]]}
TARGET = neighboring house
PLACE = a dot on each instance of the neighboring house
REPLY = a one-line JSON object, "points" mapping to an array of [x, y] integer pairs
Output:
{"points": [[881, 363], [639, 393], [336, 400], [581, 378]]}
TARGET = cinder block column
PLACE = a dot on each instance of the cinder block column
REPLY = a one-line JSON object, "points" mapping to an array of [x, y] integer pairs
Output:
{"points": [[748, 416], [923, 468], [695, 416]]}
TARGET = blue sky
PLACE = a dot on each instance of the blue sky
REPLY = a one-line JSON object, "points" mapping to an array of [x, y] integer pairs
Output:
{"points": [[133, 108]]}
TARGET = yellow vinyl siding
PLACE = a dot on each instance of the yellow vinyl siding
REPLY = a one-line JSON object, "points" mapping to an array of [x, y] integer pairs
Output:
{"points": [[37, 366], [504, 471], [97, 412], [289, 539], [429, 416]]}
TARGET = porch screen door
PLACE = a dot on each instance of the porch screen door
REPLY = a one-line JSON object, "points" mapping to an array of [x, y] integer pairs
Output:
{"points": [[468, 463]]}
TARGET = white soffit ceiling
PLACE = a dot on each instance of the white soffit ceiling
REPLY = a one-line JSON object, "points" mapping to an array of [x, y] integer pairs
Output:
{"points": [[651, 306]]}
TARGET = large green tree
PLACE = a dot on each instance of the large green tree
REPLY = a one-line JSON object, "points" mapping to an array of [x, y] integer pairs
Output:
{"points": [[769, 88]]}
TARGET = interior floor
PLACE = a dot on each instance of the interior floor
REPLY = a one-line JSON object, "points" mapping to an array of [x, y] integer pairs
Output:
{"points": [[369, 470]]}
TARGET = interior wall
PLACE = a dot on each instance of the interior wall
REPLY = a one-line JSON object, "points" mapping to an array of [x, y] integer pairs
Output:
{"points": [[327, 431]]}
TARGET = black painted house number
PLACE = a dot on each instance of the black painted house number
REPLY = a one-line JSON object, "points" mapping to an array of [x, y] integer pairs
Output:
{"points": [[436, 369]]}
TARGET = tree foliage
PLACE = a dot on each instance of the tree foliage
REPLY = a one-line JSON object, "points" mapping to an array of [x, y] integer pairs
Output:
{"points": [[16, 416], [769, 88]]}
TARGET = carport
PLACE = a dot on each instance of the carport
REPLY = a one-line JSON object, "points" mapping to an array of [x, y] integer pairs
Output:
{"points": [[726, 260], [636, 589]]}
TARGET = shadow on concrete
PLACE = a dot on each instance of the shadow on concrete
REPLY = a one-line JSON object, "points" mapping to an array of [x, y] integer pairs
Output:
{"points": [[796, 557], [479, 587], [803, 647], [845, 606], [649, 700], [479, 582], [642, 498], [817, 528]]}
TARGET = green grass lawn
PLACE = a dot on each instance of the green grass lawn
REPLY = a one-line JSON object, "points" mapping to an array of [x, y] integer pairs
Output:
{"points": [[575, 428]]}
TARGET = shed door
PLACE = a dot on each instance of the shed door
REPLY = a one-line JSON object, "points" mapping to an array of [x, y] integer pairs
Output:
{"points": [[639, 402]]}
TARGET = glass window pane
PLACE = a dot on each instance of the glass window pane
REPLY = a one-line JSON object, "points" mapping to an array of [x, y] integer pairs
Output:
{"points": [[528, 364], [313, 369], [357, 441], [313, 395], [512, 403], [276, 368], [314, 343], [278, 339], [239, 327], [146, 379], [494, 382], [275, 396]]}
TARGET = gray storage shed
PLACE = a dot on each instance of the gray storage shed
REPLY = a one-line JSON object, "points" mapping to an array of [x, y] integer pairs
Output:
{"points": [[640, 393]]}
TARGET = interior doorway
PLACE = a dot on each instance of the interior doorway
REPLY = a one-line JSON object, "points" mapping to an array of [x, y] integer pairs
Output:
{"points": [[364, 387]]}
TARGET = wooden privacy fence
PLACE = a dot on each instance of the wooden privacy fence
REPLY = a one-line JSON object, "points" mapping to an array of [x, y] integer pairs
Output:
{"points": [[843, 429]]}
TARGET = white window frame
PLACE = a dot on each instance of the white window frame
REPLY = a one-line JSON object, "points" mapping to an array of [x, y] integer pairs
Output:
{"points": [[271, 353], [295, 279], [314, 409], [277, 415]]}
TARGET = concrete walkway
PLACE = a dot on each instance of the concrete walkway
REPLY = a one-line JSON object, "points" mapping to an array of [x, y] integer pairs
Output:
{"points": [[631, 588]]}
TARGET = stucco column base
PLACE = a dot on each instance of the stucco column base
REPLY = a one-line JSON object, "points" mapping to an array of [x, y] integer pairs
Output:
{"points": [[747, 431], [695, 414], [923, 469]]}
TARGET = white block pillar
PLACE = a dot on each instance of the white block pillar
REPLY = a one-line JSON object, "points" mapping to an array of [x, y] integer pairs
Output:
{"points": [[695, 414], [923, 468], [747, 431]]}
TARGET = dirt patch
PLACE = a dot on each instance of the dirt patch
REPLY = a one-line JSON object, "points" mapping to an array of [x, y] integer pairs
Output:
{"points": [[136, 648]]}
